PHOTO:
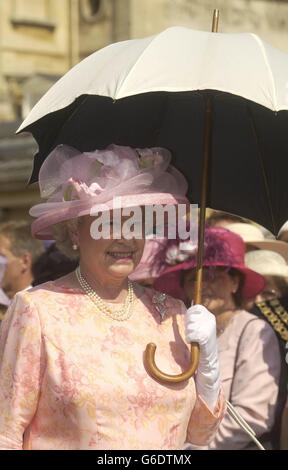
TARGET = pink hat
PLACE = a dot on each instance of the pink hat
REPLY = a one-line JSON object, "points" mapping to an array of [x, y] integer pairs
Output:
{"points": [[221, 248], [147, 267], [4, 300], [73, 183]]}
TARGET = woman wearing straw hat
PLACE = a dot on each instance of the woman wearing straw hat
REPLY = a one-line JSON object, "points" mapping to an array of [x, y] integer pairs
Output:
{"points": [[248, 348], [283, 233], [254, 238], [274, 268], [78, 380]]}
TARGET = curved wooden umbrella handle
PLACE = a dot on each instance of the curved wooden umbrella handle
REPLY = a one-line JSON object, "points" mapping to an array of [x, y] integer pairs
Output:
{"points": [[167, 378]]}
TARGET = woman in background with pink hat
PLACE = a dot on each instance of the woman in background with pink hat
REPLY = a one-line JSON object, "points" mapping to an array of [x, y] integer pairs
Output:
{"points": [[248, 348], [78, 380]]}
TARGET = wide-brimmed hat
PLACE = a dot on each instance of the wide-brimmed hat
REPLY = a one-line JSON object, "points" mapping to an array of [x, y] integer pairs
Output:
{"points": [[267, 263], [4, 300], [283, 230], [253, 236], [117, 177], [221, 248]]}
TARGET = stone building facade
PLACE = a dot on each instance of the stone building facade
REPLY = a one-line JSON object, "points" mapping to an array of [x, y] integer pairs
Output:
{"points": [[40, 40]]}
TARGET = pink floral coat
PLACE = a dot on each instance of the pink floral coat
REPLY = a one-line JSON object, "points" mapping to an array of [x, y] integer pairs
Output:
{"points": [[72, 378]]}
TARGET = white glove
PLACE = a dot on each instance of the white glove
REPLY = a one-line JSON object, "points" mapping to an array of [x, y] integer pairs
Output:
{"points": [[201, 328]]}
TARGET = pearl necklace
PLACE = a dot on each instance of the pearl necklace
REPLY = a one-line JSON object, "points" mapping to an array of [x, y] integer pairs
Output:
{"points": [[122, 314]]}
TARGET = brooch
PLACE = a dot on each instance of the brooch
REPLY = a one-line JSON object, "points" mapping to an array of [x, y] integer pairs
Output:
{"points": [[158, 299]]}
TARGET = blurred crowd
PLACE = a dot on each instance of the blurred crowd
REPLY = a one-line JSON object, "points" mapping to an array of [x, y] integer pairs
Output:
{"points": [[245, 285]]}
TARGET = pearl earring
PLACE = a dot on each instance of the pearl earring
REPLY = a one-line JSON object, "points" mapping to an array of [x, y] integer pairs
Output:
{"points": [[74, 246]]}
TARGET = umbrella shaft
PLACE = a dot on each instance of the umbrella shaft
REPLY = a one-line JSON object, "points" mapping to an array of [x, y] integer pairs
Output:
{"points": [[215, 21], [203, 203], [204, 184]]}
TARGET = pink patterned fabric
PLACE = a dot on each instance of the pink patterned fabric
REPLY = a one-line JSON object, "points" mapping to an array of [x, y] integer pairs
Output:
{"points": [[72, 378]]}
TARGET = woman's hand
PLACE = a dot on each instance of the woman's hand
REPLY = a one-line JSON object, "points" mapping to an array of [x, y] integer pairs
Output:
{"points": [[201, 328]]}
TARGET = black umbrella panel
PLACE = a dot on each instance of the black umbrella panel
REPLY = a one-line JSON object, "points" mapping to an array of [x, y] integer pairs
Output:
{"points": [[248, 168]]}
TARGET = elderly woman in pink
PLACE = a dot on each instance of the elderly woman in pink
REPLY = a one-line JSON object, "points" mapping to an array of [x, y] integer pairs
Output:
{"points": [[249, 352], [72, 371]]}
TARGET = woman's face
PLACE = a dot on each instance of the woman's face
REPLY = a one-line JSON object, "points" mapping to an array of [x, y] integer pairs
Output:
{"points": [[218, 287], [106, 258], [271, 290]]}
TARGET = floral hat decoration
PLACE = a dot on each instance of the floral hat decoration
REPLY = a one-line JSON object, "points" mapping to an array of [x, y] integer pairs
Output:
{"points": [[73, 183]]}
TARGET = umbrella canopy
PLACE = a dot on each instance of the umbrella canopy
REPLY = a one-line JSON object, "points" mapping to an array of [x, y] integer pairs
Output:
{"points": [[151, 92], [177, 59]]}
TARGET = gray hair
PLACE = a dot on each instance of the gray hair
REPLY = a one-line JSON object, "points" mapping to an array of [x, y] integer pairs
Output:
{"points": [[62, 237]]}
